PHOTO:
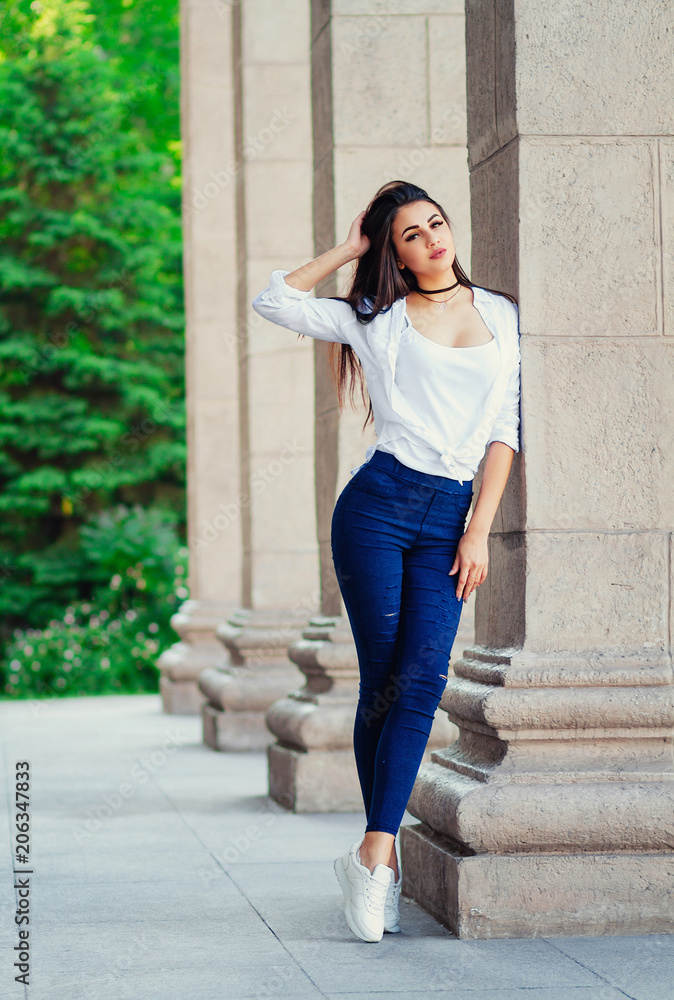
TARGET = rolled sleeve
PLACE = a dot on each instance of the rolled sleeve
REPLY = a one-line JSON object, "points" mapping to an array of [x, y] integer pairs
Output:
{"points": [[295, 309], [507, 426]]}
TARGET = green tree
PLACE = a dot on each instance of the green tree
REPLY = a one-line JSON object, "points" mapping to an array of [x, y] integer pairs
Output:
{"points": [[141, 38], [91, 325]]}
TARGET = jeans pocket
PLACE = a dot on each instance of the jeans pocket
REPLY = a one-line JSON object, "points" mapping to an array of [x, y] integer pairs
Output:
{"points": [[378, 483]]}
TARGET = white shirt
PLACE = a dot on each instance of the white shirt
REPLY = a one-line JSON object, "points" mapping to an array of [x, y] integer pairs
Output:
{"points": [[496, 417], [448, 388]]}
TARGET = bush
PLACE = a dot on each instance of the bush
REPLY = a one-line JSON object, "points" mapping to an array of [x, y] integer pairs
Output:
{"points": [[109, 644]]}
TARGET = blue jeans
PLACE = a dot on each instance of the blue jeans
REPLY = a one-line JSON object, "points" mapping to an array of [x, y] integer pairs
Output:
{"points": [[395, 532]]}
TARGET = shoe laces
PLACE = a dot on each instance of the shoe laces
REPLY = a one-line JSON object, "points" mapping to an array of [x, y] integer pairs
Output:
{"points": [[393, 892], [375, 894]]}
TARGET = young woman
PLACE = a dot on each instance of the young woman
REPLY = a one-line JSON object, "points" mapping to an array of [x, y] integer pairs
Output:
{"points": [[442, 362]]}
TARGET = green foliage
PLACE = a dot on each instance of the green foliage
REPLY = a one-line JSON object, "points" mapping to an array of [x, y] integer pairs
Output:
{"points": [[142, 38], [109, 644], [91, 324]]}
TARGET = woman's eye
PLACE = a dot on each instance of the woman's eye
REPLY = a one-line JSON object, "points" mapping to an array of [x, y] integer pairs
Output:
{"points": [[434, 225]]}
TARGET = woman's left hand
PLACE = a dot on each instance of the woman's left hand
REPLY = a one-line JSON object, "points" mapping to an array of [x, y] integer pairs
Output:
{"points": [[472, 560]]}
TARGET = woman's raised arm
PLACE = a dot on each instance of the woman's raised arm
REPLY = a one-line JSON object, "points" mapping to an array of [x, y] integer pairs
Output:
{"points": [[287, 302], [308, 275]]}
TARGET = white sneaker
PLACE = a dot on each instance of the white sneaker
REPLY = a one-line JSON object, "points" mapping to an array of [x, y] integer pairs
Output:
{"points": [[364, 894], [392, 906]]}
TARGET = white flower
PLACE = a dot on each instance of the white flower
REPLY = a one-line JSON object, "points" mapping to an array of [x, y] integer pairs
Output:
{"points": [[153, 627], [68, 654]]}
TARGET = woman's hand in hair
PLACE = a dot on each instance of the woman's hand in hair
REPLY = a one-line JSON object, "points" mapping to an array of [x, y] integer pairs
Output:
{"points": [[356, 240]]}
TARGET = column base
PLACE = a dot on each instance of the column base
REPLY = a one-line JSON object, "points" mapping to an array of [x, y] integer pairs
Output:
{"points": [[182, 663], [180, 697], [312, 766], [315, 781], [482, 896], [258, 672], [232, 731]]}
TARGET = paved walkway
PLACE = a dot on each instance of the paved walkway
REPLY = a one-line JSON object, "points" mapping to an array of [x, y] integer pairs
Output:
{"points": [[162, 870]]}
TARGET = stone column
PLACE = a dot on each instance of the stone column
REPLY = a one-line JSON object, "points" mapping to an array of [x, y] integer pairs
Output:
{"points": [[553, 814], [368, 128], [210, 247], [280, 578]]}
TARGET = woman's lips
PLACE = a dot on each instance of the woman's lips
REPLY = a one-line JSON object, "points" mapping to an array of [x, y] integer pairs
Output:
{"points": [[438, 253]]}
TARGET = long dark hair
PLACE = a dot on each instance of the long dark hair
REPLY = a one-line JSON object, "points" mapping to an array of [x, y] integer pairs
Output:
{"points": [[378, 281]]}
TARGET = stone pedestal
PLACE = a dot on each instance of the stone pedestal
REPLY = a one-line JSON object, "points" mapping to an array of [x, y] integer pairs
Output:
{"points": [[312, 766], [553, 812], [182, 663], [240, 690]]}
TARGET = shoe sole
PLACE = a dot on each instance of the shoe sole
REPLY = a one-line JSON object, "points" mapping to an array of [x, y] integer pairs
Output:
{"points": [[344, 883]]}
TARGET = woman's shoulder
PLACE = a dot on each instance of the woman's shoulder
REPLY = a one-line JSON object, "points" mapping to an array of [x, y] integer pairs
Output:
{"points": [[504, 309], [498, 298]]}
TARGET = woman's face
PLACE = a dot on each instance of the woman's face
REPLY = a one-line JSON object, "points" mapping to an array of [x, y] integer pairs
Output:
{"points": [[423, 240]]}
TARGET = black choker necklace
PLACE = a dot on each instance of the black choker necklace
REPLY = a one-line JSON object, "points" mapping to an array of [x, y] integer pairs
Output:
{"points": [[424, 291]]}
